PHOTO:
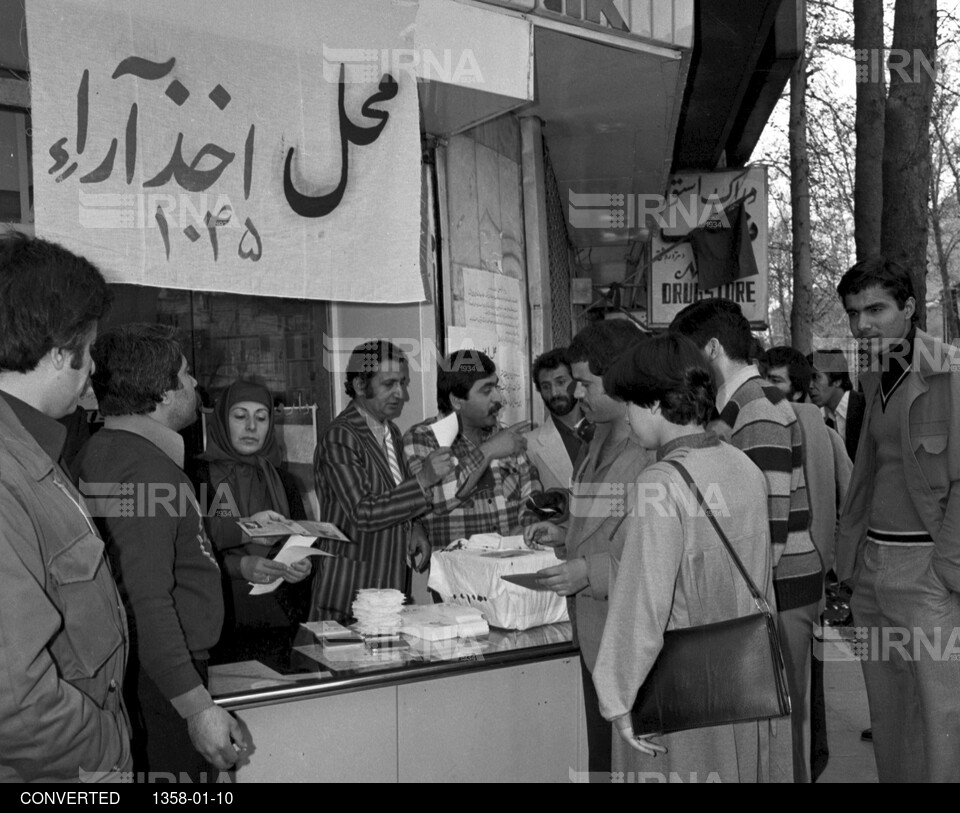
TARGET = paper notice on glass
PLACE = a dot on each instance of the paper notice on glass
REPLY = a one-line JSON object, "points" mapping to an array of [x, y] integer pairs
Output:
{"points": [[295, 549], [486, 331], [446, 430]]}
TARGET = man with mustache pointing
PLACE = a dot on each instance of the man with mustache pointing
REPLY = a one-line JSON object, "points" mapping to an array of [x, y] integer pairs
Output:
{"points": [[492, 476]]}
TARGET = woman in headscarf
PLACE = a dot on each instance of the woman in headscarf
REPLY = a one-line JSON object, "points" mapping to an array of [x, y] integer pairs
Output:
{"points": [[241, 473]]}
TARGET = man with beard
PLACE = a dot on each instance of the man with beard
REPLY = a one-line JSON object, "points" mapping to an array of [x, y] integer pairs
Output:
{"points": [[163, 560], [555, 447], [492, 476], [788, 370]]}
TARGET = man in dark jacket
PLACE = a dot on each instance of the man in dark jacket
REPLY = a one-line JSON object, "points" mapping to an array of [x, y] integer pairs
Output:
{"points": [[170, 581], [62, 631], [899, 536]]}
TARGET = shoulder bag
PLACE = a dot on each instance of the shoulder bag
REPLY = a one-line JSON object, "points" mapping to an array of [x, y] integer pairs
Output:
{"points": [[715, 674]]}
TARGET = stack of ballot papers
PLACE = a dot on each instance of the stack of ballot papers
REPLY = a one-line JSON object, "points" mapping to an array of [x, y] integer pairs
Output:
{"points": [[378, 612], [438, 622]]}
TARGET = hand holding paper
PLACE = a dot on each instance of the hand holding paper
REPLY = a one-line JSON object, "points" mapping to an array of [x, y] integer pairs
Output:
{"points": [[296, 549], [446, 430]]}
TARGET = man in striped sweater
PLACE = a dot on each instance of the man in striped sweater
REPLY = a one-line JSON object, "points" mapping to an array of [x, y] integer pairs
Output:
{"points": [[764, 426]]}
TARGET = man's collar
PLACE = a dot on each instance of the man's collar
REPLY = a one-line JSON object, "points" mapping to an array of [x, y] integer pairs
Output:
{"points": [[841, 407], [699, 440], [378, 428], [562, 427], [732, 384], [164, 438], [557, 419], [486, 432], [48, 432], [899, 354]]}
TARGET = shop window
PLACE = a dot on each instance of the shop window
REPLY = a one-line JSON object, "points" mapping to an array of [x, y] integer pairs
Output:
{"points": [[16, 184], [279, 342]]}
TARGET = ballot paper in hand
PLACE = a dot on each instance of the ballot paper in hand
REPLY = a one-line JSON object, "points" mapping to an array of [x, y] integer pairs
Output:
{"points": [[446, 430], [324, 530], [295, 549], [282, 527], [277, 527], [532, 581]]}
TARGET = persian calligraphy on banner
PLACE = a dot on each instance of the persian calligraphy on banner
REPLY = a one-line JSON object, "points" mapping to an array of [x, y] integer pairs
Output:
{"points": [[493, 310], [250, 151], [673, 276]]}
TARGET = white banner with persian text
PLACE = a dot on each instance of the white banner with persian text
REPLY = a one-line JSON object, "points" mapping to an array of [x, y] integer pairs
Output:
{"points": [[241, 147]]}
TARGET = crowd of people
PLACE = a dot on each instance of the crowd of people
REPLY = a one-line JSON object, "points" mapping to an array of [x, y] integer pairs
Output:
{"points": [[118, 585]]}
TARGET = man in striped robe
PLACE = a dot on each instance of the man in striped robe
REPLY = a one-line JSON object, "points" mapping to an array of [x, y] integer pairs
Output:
{"points": [[365, 488]]}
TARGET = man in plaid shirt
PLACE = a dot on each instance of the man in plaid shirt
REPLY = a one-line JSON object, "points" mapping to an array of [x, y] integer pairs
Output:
{"points": [[492, 476]]}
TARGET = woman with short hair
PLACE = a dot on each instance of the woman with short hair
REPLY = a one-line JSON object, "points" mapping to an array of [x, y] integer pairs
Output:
{"points": [[672, 569]]}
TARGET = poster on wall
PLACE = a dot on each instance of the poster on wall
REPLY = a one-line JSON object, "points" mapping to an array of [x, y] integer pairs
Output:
{"points": [[695, 201], [275, 154], [495, 324]]}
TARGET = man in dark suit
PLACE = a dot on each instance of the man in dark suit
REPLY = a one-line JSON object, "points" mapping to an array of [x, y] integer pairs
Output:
{"points": [[365, 488], [832, 390]]}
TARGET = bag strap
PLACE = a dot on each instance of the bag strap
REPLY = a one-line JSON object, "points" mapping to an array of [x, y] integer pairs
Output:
{"points": [[757, 595]]}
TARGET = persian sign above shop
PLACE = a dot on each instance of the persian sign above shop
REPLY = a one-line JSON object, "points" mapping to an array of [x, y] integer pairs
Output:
{"points": [[669, 22], [674, 277], [246, 151]]}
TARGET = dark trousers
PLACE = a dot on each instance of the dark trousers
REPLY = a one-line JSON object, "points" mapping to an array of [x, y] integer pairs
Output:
{"points": [[162, 749], [599, 731], [819, 750]]}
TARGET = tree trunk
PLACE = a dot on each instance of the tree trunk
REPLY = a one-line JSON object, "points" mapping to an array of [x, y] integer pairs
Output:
{"points": [[906, 147], [941, 202], [801, 312], [871, 92], [951, 324]]}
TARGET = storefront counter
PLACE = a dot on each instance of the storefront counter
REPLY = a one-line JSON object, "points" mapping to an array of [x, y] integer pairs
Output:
{"points": [[504, 707]]}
